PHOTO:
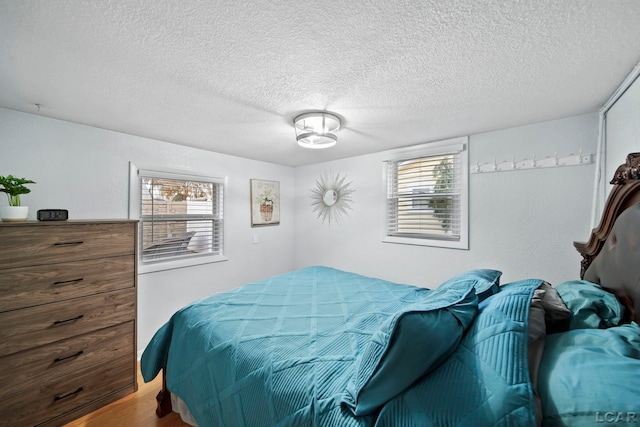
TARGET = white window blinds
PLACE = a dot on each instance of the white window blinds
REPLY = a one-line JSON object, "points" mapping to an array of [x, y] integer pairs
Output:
{"points": [[181, 216], [426, 196]]}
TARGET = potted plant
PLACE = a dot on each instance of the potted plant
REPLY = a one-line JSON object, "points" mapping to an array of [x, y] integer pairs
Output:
{"points": [[14, 187], [266, 205]]}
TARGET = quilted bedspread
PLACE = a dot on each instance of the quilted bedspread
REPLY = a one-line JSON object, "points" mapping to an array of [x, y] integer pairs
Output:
{"points": [[290, 350], [485, 382]]}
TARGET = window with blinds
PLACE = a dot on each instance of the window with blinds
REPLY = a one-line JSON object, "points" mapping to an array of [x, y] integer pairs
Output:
{"points": [[427, 196], [181, 216]]}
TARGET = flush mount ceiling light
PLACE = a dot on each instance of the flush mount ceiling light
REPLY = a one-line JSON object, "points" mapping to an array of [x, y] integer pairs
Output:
{"points": [[317, 130]]}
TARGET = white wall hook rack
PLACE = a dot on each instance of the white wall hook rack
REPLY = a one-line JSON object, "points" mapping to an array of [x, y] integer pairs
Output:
{"points": [[554, 161]]}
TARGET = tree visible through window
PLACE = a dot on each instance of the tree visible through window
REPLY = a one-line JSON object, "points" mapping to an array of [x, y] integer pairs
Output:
{"points": [[443, 206]]}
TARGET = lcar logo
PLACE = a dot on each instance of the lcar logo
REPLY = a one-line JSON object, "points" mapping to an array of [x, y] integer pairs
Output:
{"points": [[613, 417]]}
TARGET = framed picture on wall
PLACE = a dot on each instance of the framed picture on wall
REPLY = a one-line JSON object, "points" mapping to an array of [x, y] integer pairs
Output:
{"points": [[265, 202]]}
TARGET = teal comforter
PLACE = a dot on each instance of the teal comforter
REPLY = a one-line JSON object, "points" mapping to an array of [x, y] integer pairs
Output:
{"points": [[324, 347]]}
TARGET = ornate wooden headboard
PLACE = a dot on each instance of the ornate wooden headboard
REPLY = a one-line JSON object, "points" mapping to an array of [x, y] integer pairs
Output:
{"points": [[625, 192]]}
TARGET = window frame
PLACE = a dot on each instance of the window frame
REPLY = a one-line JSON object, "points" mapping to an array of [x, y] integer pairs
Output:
{"points": [[460, 145], [135, 208]]}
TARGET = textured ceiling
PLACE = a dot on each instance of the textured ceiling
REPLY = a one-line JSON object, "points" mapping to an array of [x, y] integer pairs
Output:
{"points": [[230, 75]]}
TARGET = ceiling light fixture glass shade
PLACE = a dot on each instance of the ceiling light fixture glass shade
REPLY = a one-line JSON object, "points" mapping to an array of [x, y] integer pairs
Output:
{"points": [[317, 130]]}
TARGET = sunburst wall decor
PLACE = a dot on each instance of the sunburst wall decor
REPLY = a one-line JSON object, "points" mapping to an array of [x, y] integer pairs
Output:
{"points": [[331, 197]]}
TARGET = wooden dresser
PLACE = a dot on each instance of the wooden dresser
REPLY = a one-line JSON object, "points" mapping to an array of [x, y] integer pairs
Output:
{"points": [[68, 297]]}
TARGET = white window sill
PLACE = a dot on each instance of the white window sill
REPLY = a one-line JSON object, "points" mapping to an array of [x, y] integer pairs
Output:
{"points": [[152, 267], [462, 244]]}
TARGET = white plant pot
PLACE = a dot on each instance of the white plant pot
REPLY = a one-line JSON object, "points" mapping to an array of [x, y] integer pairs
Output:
{"points": [[14, 213]]}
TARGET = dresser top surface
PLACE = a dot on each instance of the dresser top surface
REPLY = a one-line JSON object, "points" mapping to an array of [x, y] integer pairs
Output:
{"points": [[67, 222]]}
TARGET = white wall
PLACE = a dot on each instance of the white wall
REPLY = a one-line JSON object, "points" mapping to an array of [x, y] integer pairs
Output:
{"points": [[522, 223], [86, 170], [623, 130]]}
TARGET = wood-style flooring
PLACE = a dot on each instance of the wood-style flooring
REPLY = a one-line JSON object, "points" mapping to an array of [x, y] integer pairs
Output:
{"points": [[137, 409]]}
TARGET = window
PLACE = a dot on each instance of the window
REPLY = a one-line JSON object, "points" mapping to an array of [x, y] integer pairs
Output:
{"points": [[181, 218], [427, 199]]}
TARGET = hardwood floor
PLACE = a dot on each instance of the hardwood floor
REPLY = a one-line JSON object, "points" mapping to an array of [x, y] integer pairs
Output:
{"points": [[137, 409]]}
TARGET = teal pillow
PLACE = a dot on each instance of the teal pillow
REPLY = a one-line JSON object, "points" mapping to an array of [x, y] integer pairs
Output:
{"points": [[590, 305], [590, 377], [415, 341], [487, 281]]}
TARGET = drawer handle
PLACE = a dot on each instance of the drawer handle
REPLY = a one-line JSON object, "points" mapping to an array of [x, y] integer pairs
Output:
{"points": [[69, 243], [64, 282], [58, 322], [64, 396], [60, 359]]}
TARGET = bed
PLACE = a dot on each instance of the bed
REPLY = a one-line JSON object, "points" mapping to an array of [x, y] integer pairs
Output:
{"points": [[325, 347]]}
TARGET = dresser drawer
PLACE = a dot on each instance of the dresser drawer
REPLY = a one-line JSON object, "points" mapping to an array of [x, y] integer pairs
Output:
{"points": [[30, 368], [28, 286], [46, 244], [52, 399], [40, 325]]}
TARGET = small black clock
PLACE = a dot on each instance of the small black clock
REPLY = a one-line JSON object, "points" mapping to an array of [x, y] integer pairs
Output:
{"points": [[53, 215]]}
